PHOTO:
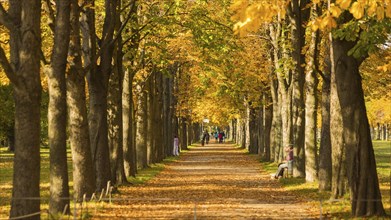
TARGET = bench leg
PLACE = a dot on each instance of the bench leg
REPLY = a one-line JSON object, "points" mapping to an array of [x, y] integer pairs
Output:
{"points": [[286, 175]]}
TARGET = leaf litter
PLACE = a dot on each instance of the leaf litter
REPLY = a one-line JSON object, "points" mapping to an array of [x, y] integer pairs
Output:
{"points": [[217, 181]]}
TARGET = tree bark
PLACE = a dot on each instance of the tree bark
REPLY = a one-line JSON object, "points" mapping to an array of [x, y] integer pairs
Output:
{"points": [[243, 133], [261, 128], [57, 112], [149, 117], [141, 128], [166, 118], [25, 53], [253, 142], [115, 121], [158, 120], [98, 79], [276, 123], [190, 132], [325, 165], [357, 144], [299, 13], [83, 174], [268, 117], [311, 105], [128, 119], [338, 180], [183, 133], [282, 89], [247, 128], [127, 99]]}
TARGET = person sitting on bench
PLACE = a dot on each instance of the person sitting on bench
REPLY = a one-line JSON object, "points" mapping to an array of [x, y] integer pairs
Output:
{"points": [[284, 164]]}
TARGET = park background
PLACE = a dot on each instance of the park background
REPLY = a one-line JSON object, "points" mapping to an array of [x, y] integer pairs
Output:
{"points": [[112, 82]]}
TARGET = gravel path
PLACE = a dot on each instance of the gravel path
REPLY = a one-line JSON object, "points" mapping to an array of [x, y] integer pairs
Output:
{"points": [[217, 181]]}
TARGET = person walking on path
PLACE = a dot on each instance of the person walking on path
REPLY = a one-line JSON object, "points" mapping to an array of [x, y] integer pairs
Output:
{"points": [[207, 137], [176, 146], [220, 137]]}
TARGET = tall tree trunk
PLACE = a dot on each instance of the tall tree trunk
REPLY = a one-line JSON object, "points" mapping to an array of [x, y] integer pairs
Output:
{"points": [[247, 128], [190, 132], [173, 89], [379, 131], [268, 117], [261, 128], [166, 118], [282, 88], [243, 132], [253, 142], [133, 109], [151, 130], [311, 105], [141, 128], [299, 13], [115, 121], [238, 128], [129, 146], [183, 133], [338, 180], [357, 144], [98, 79], [172, 120], [57, 112], [127, 117], [83, 174], [99, 128], [276, 123], [24, 73], [158, 120], [325, 166], [233, 131]]}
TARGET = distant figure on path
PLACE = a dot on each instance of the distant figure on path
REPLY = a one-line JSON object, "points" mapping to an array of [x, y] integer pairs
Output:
{"points": [[220, 137], [207, 137], [223, 134], [284, 164], [216, 136], [176, 146]]}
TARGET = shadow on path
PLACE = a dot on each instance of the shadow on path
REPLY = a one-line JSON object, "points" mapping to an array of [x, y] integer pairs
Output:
{"points": [[217, 181]]}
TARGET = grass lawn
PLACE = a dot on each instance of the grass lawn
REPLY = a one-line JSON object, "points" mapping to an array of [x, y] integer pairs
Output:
{"points": [[6, 175], [341, 209]]}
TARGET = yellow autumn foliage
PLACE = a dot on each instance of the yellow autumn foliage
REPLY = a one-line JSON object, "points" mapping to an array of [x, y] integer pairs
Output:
{"points": [[344, 4], [335, 10], [250, 15], [379, 111], [357, 10], [380, 13]]}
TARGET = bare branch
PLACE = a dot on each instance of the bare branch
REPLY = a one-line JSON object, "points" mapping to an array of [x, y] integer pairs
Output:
{"points": [[123, 25], [5, 19], [9, 71]]}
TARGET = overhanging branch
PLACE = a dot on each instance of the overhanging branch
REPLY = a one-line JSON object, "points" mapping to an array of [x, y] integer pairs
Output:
{"points": [[9, 71], [5, 18]]}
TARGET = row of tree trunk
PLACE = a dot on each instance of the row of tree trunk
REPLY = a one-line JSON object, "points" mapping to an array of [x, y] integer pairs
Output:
{"points": [[124, 127], [381, 132], [346, 158]]}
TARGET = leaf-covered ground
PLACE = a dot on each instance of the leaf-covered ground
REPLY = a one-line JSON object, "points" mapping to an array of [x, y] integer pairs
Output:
{"points": [[217, 181]]}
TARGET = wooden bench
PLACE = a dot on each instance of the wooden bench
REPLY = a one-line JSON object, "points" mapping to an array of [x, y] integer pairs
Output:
{"points": [[288, 171]]}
